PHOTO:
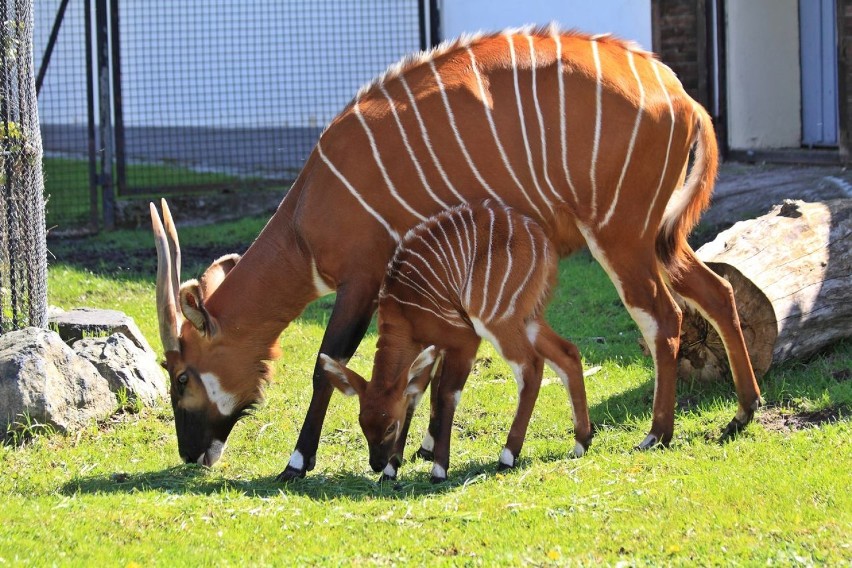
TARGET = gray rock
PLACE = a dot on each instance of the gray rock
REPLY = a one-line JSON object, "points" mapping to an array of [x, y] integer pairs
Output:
{"points": [[125, 366], [90, 322], [43, 377]]}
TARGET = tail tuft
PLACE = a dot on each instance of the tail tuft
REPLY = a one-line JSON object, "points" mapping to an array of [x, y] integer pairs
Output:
{"points": [[687, 204]]}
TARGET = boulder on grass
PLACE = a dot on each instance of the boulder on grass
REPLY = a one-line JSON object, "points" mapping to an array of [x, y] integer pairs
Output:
{"points": [[40, 376], [125, 366], [92, 322]]}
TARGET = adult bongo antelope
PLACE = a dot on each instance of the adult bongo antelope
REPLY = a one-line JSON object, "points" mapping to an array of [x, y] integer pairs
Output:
{"points": [[467, 273], [587, 135]]}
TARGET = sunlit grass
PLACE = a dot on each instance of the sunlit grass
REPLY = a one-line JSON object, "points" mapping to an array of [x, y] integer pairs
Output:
{"points": [[116, 494]]}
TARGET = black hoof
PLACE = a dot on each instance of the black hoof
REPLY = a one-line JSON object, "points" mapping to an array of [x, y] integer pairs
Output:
{"points": [[504, 466], [425, 455], [730, 432], [436, 480], [652, 442], [290, 474], [385, 477]]}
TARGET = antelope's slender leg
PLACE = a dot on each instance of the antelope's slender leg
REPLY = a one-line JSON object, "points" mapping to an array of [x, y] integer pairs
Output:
{"points": [[713, 296], [427, 446], [456, 368], [634, 272], [528, 377], [353, 310], [564, 357]]}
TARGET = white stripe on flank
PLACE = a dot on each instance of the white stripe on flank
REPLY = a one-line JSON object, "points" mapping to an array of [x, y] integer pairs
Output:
{"points": [[410, 150], [533, 264], [558, 41], [472, 225], [436, 314], [487, 281], [427, 142], [493, 127], [597, 141], [534, 64], [523, 121], [668, 148], [611, 210], [391, 187], [507, 271], [394, 235], [455, 130], [446, 241]]}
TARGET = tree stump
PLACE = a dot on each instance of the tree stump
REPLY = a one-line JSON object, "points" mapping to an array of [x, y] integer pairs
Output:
{"points": [[791, 271]]}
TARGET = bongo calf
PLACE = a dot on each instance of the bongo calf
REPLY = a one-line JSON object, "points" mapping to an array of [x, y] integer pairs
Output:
{"points": [[468, 273]]}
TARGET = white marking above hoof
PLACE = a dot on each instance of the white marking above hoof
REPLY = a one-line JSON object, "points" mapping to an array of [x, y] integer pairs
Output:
{"points": [[428, 443], [297, 461], [439, 472], [649, 442], [579, 450], [390, 471], [506, 458]]}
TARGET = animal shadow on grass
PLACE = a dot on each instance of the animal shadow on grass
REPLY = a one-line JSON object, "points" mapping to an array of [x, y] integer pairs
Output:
{"points": [[196, 480]]}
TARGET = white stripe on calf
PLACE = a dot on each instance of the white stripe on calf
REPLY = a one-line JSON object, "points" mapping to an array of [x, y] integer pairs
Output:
{"points": [[394, 235], [375, 150], [455, 130], [511, 309], [508, 270]]}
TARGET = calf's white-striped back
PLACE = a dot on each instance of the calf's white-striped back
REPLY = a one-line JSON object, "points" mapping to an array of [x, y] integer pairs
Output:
{"points": [[468, 273]]}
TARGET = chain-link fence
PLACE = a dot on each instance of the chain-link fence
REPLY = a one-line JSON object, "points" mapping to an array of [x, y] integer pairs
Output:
{"points": [[213, 95], [23, 252]]}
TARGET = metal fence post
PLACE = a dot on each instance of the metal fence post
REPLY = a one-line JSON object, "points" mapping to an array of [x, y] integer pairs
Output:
{"points": [[105, 114]]}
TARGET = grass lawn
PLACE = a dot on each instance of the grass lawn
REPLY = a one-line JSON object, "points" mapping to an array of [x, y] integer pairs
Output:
{"points": [[115, 494]]}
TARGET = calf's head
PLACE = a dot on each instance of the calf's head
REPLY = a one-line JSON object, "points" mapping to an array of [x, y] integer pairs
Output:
{"points": [[385, 401], [216, 375]]}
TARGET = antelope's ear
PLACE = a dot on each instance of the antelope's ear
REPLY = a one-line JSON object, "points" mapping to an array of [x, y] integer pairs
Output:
{"points": [[342, 378], [422, 370], [216, 272], [192, 306]]}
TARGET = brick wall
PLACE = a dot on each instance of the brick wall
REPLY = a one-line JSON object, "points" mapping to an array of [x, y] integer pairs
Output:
{"points": [[678, 27]]}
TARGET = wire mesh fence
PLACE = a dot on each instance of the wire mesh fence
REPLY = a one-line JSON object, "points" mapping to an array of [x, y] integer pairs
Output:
{"points": [[202, 95], [23, 252]]}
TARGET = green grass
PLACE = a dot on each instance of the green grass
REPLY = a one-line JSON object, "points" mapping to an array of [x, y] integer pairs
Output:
{"points": [[116, 493], [66, 185]]}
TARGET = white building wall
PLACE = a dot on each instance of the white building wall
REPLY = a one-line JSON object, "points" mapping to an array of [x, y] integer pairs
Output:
{"points": [[764, 97]]}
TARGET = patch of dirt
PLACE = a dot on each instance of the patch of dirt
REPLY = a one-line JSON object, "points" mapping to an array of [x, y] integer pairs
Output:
{"points": [[778, 419]]}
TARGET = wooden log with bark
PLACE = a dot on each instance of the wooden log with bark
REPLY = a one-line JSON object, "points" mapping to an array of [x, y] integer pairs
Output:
{"points": [[791, 271]]}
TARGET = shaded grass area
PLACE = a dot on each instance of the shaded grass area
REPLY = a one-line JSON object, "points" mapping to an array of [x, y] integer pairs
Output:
{"points": [[115, 493]]}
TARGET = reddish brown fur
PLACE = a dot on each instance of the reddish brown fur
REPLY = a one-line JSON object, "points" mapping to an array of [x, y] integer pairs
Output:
{"points": [[322, 223]]}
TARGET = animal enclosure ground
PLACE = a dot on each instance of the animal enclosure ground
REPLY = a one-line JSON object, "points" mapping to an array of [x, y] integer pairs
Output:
{"points": [[115, 493]]}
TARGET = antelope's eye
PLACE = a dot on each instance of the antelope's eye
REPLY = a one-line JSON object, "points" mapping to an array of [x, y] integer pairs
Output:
{"points": [[182, 379], [391, 429]]}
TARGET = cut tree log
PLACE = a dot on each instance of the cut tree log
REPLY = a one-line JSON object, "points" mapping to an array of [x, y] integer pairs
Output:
{"points": [[791, 271]]}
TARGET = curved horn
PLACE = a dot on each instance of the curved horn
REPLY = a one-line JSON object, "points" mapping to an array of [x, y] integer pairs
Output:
{"points": [[167, 313], [174, 247]]}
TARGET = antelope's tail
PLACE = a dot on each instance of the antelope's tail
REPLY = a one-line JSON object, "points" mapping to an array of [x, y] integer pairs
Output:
{"points": [[687, 204]]}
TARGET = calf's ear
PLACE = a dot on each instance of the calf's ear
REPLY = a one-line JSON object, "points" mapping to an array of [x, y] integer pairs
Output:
{"points": [[342, 378], [423, 369]]}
